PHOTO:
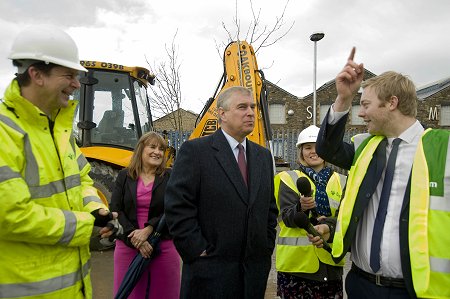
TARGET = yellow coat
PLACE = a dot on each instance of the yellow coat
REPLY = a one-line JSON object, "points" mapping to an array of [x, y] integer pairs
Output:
{"points": [[46, 197], [295, 253]]}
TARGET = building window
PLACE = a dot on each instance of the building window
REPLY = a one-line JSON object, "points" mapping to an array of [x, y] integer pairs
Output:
{"points": [[444, 120], [356, 120], [277, 114], [323, 112]]}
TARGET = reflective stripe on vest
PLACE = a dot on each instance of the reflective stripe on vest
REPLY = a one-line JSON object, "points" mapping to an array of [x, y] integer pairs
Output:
{"points": [[429, 215], [70, 227], [293, 242], [354, 180], [429, 210], [31, 168], [6, 173], [89, 199], [55, 187], [43, 287]]}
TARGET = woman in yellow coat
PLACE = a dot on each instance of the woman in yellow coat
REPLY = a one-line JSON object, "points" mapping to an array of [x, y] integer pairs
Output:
{"points": [[305, 271]]}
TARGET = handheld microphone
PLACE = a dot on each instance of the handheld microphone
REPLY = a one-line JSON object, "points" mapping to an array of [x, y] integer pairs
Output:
{"points": [[304, 187], [302, 221]]}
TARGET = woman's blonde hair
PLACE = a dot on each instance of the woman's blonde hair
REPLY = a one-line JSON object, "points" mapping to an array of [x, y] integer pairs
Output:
{"points": [[136, 165]]}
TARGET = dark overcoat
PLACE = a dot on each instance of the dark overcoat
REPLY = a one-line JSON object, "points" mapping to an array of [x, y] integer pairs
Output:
{"points": [[209, 207]]}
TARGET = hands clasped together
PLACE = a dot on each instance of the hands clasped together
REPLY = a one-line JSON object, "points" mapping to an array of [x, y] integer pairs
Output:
{"points": [[139, 240]]}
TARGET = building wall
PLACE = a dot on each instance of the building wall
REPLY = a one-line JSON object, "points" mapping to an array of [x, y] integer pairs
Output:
{"points": [[302, 108], [428, 109], [166, 123]]}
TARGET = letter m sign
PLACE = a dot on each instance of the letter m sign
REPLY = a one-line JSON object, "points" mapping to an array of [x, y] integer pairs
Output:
{"points": [[433, 115]]}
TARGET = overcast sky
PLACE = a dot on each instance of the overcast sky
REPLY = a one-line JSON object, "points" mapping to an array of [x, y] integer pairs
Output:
{"points": [[408, 36]]}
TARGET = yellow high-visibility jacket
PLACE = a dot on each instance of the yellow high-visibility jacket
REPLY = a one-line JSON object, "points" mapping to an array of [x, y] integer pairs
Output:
{"points": [[294, 252], [423, 233], [46, 197]]}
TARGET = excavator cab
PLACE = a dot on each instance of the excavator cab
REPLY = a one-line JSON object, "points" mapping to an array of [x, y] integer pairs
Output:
{"points": [[113, 113], [114, 110]]}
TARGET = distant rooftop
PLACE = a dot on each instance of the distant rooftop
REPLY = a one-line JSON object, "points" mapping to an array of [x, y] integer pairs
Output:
{"points": [[432, 88]]}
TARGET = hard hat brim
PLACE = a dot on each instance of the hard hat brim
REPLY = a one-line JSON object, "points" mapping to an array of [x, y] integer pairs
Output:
{"points": [[33, 56]]}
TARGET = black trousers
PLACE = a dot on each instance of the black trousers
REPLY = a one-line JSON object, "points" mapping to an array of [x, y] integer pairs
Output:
{"points": [[357, 287]]}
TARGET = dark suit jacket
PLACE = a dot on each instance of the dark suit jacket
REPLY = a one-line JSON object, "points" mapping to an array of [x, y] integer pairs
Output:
{"points": [[208, 207], [331, 147], [123, 201]]}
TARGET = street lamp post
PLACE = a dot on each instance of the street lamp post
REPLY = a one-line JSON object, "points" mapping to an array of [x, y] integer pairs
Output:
{"points": [[315, 37]]}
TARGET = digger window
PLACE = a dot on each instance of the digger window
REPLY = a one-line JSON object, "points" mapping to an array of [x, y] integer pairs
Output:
{"points": [[113, 111], [142, 104]]}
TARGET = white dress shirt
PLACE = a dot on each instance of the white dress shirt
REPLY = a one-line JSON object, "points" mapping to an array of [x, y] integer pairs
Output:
{"points": [[234, 143], [390, 243]]}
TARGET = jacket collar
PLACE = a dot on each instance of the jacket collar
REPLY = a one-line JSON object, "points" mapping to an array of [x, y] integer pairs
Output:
{"points": [[227, 161]]}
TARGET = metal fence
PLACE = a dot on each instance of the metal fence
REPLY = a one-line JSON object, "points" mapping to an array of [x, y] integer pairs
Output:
{"points": [[283, 143]]}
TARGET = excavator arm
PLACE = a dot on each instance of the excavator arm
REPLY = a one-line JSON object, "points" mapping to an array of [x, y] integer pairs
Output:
{"points": [[240, 69]]}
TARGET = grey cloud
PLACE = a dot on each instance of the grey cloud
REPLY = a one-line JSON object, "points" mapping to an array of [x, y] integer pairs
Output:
{"points": [[69, 13]]}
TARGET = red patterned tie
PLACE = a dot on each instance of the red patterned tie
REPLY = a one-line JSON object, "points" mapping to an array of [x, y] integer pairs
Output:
{"points": [[242, 164]]}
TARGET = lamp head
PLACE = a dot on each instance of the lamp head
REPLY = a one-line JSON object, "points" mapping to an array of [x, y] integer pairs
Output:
{"points": [[316, 36]]}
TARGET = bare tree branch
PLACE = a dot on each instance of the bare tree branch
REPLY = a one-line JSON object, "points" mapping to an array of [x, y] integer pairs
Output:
{"points": [[260, 36], [275, 28], [166, 93]]}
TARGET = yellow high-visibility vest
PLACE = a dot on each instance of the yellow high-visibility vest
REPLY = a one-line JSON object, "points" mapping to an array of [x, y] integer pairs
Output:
{"points": [[46, 199], [429, 211], [294, 252]]}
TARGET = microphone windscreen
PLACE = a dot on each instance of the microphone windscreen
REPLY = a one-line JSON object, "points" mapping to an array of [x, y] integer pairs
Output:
{"points": [[304, 186]]}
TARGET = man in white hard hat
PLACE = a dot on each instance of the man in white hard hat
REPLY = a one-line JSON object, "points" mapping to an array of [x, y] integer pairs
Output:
{"points": [[48, 205]]}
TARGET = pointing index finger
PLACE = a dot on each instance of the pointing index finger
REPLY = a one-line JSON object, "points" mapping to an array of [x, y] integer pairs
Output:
{"points": [[352, 54]]}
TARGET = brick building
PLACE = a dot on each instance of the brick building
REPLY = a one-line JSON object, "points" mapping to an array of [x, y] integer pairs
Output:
{"points": [[167, 122], [289, 112], [433, 109], [292, 113]]}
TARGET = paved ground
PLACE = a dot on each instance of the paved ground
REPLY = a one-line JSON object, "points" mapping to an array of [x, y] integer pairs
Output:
{"points": [[102, 274], [103, 270]]}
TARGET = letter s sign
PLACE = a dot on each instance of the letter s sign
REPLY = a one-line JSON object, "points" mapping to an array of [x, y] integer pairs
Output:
{"points": [[310, 115]]}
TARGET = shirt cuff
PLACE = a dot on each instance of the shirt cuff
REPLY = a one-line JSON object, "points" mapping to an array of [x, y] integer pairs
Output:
{"points": [[334, 117]]}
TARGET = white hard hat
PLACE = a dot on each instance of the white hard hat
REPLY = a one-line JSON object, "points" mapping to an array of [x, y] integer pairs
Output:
{"points": [[45, 43], [308, 135]]}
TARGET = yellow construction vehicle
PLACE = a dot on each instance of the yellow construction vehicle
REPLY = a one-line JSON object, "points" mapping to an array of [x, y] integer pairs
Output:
{"points": [[113, 113], [240, 69]]}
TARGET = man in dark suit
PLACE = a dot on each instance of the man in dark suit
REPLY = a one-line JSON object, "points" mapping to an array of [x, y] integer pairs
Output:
{"points": [[397, 190], [223, 221]]}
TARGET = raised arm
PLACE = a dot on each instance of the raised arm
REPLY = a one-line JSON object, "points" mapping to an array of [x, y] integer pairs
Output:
{"points": [[348, 82]]}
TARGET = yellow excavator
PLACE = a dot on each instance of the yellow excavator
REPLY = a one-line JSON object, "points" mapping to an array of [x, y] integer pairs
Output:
{"points": [[113, 113], [240, 69]]}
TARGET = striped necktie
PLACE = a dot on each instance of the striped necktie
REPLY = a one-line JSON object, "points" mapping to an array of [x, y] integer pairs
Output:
{"points": [[242, 164]]}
